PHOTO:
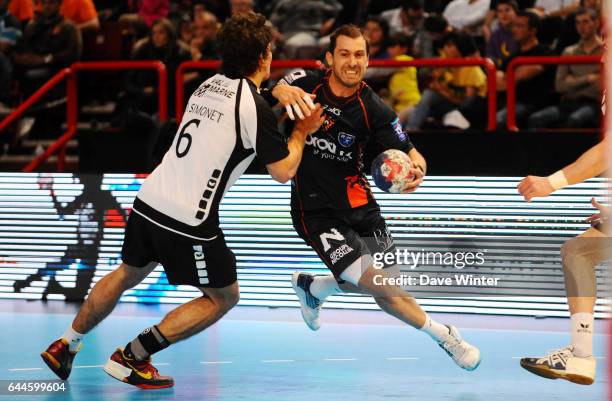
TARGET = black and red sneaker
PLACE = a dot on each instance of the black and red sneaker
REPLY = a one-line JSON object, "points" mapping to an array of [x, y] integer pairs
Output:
{"points": [[137, 373], [59, 358]]}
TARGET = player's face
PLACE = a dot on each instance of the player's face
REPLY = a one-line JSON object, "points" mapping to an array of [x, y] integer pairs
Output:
{"points": [[585, 26], [505, 14], [349, 61]]}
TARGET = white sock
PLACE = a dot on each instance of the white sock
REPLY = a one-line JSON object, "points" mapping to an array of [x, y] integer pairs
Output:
{"points": [[582, 334], [437, 331], [73, 338], [324, 286]]}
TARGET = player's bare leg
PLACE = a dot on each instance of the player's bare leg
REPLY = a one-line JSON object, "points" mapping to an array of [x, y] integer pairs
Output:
{"points": [[576, 363], [132, 364], [100, 302]]}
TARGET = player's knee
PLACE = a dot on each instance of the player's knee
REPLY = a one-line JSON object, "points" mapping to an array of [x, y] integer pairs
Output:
{"points": [[225, 298], [572, 254]]}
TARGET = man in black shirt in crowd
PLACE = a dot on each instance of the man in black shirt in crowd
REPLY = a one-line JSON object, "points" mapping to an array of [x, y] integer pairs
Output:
{"points": [[534, 82], [332, 206]]}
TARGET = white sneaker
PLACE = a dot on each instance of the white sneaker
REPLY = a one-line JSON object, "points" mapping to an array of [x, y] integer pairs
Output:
{"points": [[463, 353], [309, 304], [562, 364]]}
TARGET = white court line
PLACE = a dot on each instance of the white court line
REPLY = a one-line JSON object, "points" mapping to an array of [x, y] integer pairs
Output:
{"points": [[162, 363], [87, 366], [214, 362], [407, 358], [340, 359], [20, 369], [277, 360]]}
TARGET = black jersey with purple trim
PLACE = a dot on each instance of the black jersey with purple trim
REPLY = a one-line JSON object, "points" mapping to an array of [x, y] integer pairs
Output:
{"points": [[331, 174]]}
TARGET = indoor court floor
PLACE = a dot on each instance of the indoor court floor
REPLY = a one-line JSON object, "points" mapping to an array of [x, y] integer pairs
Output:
{"points": [[270, 355]]}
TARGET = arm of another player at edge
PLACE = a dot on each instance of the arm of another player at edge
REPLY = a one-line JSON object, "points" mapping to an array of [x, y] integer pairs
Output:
{"points": [[590, 164]]}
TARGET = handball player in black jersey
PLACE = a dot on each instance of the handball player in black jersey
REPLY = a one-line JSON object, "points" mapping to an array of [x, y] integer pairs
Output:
{"points": [[332, 206], [175, 220]]}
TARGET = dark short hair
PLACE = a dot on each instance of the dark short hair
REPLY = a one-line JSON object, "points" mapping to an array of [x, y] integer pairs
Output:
{"points": [[511, 3], [464, 42], [412, 4], [243, 39], [350, 30], [592, 13], [533, 21], [400, 39], [435, 24]]}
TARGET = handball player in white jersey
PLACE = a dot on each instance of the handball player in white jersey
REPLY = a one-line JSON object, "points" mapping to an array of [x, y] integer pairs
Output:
{"points": [[175, 220]]}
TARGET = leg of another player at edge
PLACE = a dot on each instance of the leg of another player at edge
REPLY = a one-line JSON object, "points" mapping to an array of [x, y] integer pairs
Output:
{"points": [[580, 256]]}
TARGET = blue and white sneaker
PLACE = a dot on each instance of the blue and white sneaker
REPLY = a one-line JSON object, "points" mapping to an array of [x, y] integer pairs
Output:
{"points": [[465, 355], [562, 364], [309, 304]]}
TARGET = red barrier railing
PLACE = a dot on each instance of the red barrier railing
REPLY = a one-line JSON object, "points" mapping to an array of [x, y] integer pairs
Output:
{"points": [[40, 92], [72, 105], [511, 77], [487, 64], [215, 64]]}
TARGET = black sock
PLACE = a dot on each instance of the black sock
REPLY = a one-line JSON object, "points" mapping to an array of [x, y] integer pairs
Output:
{"points": [[150, 341]]}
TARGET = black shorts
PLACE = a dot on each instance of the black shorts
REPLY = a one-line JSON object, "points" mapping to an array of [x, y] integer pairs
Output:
{"points": [[185, 260], [343, 237]]}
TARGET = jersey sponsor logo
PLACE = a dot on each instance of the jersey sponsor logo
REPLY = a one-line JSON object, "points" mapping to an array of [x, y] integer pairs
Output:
{"points": [[334, 234], [333, 110], [339, 253], [216, 87], [209, 192], [198, 255], [328, 149], [295, 75], [397, 127], [345, 139]]}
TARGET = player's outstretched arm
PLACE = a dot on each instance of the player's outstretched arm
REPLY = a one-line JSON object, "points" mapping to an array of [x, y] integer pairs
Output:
{"points": [[295, 99], [284, 170], [590, 164]]}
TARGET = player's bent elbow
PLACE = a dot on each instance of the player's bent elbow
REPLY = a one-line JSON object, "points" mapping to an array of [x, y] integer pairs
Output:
{"points": [[281, 173]]}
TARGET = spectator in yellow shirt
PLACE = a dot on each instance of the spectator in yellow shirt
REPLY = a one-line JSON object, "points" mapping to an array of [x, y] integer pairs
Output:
{"points": [[403, 84], [457, 88]]}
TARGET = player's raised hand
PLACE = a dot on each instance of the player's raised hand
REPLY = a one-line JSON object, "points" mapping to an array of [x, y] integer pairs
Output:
{"points": [[414, 184], [311, 124], [532, 186], [296, 101], [604, 213]]}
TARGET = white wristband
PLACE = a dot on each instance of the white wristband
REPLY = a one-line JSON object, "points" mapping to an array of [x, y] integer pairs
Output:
{"points": [[558, 180]]}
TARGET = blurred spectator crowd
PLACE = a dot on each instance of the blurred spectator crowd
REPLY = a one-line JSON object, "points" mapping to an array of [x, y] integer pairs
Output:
{"points": [[39, 37]]}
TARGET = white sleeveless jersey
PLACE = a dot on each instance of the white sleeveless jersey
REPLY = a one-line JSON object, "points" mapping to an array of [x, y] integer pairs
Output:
{"points": [[226, 123]]}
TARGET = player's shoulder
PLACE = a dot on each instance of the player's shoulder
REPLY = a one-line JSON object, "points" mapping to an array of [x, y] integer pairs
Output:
{"points": [[374, 105]]}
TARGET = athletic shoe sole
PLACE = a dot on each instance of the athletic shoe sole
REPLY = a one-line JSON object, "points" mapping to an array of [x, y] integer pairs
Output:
{"points": [[121, 373], [553, 374]]}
